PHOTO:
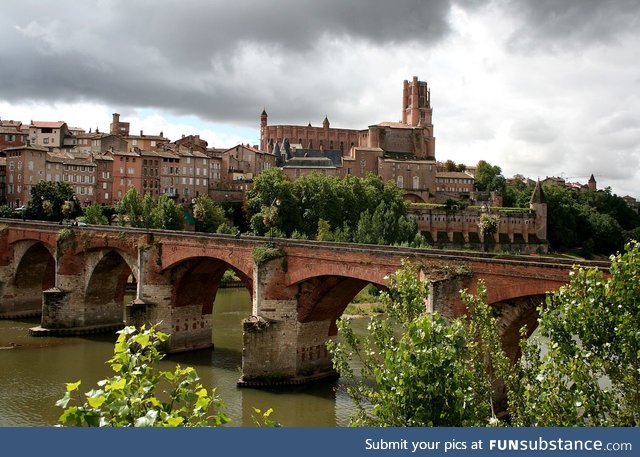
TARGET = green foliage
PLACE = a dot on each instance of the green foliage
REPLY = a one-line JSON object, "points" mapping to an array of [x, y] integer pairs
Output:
{"points": [[65, 234], [489, 177], [489, 224], [517, 195], [208, 214], [451, 166], [144, 212], [93, 215], [166, 214], [227, 229], [370, 294], [130, 210], [595, 221], [351, 209], [263, 254], [324, 231], [419, 369], [138, 395], [264, 418], [5, 211], [229, 276], [590, 375], [47, 201]]}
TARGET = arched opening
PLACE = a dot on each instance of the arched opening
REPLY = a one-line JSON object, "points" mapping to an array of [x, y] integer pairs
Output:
{"points": [[110, 281], [512, 315], [34, 274], [196, 291], [321, 302]]}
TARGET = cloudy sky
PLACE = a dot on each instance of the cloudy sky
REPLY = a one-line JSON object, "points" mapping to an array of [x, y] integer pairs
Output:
{"points": [[538, 87]]}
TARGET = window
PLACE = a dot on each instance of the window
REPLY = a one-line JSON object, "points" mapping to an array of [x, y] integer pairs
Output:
{"points": [[45, 141], [400, 182], [416, 182]]}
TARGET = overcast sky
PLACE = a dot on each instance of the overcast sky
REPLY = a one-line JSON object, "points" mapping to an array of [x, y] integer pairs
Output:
{"points": [[538, 87]]}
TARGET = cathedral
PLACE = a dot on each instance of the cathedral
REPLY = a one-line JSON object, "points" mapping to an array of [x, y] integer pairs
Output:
{"points": [[400, 151]]}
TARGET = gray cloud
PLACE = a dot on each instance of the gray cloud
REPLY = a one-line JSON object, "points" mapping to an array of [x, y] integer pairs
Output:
{"points": [[191, 56], [554, 25]]}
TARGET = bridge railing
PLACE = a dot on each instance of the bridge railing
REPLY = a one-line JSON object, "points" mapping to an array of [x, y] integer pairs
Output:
{"points": [[448, 254]]}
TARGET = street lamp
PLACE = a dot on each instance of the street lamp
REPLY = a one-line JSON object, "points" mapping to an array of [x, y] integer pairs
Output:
{"points": [[271, 217]]}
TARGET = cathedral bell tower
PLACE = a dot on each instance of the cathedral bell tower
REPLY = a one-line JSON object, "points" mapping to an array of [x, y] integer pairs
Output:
{"points": [[263, 131]]}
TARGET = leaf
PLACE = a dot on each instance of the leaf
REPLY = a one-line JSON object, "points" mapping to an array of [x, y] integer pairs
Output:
{"points": [[116, 385], [71, 386], [96, 402]]}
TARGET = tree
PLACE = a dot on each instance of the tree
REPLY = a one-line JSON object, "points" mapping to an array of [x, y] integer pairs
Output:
{"points": [[139, 394], [47, 200], [270, 187], [130, 210], [590, 375], [421, 369], [489, 177], [362, 210], [208, 214], [166, 214], [451, 166], [93, 215]]}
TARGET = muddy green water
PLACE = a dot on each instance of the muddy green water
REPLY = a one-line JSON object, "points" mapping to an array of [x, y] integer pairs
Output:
{"points": [[33, 373]]}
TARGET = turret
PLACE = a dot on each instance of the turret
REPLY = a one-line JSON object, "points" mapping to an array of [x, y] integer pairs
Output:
{"points": [[538, 203], [592, 183]]}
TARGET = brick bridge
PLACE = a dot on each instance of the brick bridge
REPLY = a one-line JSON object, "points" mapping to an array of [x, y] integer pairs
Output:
{"points": [[75, 278]]}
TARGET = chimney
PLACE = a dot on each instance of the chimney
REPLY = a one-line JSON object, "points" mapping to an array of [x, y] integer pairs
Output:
{"points": [[141, 134], [116, 118]]}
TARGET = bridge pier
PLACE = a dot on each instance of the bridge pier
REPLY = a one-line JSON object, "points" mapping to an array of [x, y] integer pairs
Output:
{"points": [[188, 323], [278, 348]]}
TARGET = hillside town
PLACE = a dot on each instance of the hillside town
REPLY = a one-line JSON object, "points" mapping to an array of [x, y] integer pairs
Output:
{"points": [[101, 166]]}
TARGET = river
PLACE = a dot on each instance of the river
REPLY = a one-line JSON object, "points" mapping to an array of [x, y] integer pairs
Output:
{"points": [[33, 373]]}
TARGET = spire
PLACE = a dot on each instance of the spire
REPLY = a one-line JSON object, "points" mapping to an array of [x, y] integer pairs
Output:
{"points": [[264, 112], [325, 123], [538, 195]]}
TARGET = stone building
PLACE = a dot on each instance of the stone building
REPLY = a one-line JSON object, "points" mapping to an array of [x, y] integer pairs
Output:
{"points": [[11, 136], [522, 231], [51, 135], [104, 178], [400, 151], [78, 170], [3, 180], [25, 167]]}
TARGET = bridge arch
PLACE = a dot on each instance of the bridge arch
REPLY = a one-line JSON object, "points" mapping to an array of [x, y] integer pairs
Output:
{"points": [[34, 273], [193, 284], [196, 280], [105, 285]]}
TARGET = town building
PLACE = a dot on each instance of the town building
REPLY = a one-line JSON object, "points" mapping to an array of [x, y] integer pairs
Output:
{"points": [[104, 178], [25, 167], [11, 136], [3, 180], [51, 135], [127, 173]]}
